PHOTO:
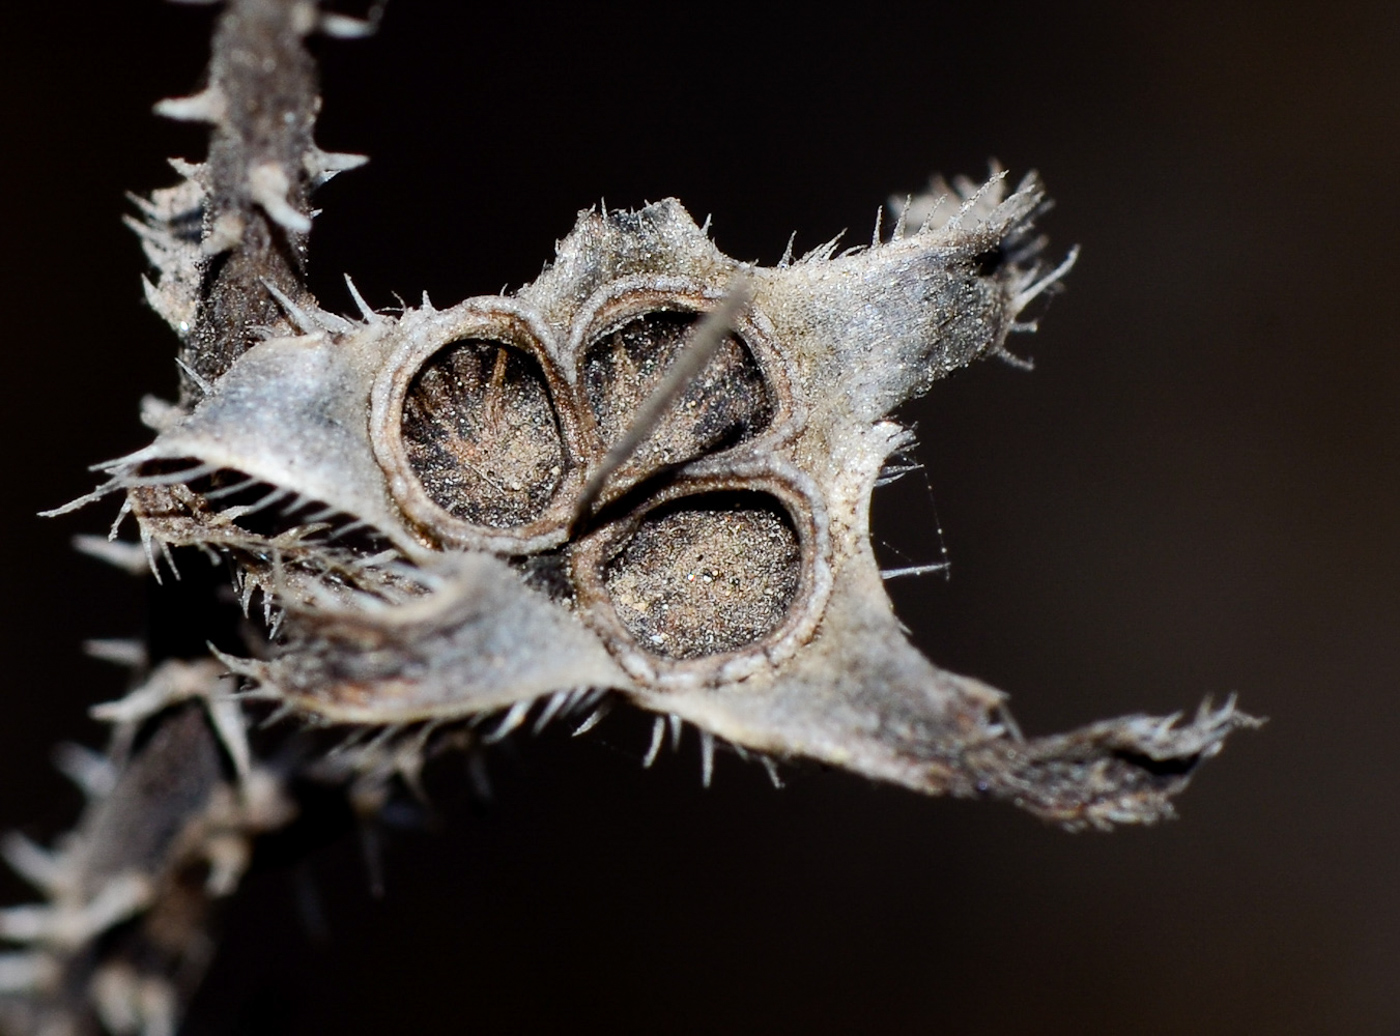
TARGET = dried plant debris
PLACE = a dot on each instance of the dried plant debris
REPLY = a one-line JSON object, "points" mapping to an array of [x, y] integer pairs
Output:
{"points": [[646, 476]]}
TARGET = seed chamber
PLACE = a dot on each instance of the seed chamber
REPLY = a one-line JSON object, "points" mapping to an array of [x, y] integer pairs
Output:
{"points": [[706, 574], [729, 402], [481, 433], [477, 431]]}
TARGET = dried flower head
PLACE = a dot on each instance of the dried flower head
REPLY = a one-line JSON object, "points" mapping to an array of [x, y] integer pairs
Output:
{"points": [[649, 471]]}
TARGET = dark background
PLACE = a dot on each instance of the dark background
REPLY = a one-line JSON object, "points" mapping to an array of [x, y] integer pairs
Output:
{"points": [[1195, 493]]}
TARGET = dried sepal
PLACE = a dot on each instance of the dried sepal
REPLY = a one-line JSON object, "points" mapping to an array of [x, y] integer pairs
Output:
{"points": [[478, 641]]}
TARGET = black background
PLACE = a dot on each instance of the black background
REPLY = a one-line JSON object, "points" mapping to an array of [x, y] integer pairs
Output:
{"points": [[1195, 492]]}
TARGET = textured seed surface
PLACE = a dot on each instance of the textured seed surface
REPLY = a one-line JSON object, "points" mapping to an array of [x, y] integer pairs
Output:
{"points": [[481, 433], [706, 575], [728, 403]]}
